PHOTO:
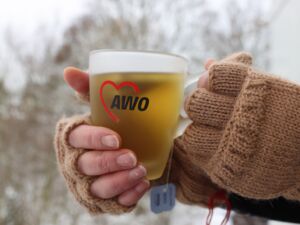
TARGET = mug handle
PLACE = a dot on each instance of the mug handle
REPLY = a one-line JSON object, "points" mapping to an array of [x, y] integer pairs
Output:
{"points": [[190, 85]]}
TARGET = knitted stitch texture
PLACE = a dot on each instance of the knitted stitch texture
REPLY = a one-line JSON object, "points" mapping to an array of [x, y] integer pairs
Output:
{"points": [[245, 133]]}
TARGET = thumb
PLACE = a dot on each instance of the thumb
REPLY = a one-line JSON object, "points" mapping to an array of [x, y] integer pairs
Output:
{"points": [[77, 80]]}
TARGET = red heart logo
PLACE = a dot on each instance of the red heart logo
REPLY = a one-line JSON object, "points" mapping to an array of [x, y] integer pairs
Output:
{"points": [[113, 116]]}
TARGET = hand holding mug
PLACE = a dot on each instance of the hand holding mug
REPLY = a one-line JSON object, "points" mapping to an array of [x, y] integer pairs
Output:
{"points": [[106, 160]]}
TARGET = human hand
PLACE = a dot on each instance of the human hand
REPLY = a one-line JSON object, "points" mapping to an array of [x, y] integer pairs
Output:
{"points": [[117, 170]]}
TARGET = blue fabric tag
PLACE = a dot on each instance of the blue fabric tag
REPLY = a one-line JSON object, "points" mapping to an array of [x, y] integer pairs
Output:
{"points": [[163, 198]]}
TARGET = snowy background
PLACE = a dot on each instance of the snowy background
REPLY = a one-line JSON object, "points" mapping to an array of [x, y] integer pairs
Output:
{"points": [[39, 38]]}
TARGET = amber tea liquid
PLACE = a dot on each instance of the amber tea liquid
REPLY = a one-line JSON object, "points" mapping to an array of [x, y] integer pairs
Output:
{"points": [[143, 108]]}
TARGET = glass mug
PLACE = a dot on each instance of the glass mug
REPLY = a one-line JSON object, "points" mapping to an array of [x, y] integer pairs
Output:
{"points": [[139, 95]]}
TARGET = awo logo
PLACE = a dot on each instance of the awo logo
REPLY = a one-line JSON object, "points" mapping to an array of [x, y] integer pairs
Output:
{"points": [[123, 102]]}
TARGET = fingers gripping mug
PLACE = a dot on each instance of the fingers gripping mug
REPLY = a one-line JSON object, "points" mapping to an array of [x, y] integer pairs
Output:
{"points": [[139, 95]]}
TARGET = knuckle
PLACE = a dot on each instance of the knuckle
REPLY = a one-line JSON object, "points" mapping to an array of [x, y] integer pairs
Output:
{"points": [[104, 193], [72, 139], [98, 189], [115, 187], [109, 189], [80, 163], [94, 138], [90, 139], [103, 164]]}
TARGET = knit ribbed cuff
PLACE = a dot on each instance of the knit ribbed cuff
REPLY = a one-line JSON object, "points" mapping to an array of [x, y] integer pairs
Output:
{"points": [[193, 185]]}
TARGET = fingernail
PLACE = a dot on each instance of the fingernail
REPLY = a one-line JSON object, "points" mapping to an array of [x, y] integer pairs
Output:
{"points": [[142, 186], [127, 159], [110, 141], [137, 173]]}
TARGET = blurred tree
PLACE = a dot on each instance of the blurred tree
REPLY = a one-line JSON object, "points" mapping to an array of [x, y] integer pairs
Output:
{"points": [[31, 190], [192, 29]]}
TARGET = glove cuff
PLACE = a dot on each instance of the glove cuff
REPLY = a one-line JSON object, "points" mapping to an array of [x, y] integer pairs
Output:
{"points": [[193, 185]]}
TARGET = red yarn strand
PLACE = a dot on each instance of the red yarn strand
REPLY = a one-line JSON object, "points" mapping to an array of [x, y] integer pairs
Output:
{"points": [[220, 195]]}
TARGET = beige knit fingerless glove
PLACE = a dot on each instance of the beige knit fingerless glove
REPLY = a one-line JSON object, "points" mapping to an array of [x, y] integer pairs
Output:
{"points": [[245, 133], [78, 183]]}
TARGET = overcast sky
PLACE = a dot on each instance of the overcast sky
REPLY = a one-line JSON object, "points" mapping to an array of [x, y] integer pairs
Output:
{"points": [[26, 15]]}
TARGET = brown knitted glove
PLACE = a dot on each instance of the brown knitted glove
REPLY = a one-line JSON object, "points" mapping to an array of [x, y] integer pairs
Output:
{"points": [[78, 183], [245, 133]]}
